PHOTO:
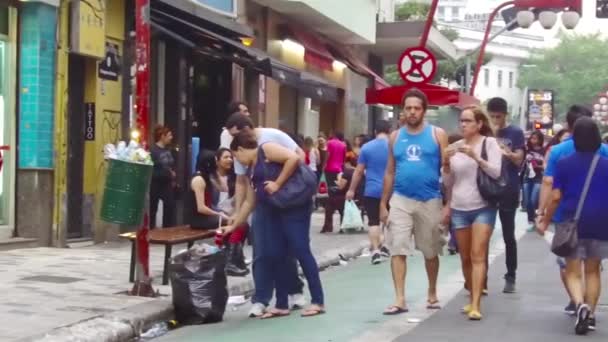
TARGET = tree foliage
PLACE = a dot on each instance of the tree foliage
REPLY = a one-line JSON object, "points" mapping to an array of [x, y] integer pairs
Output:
{"points": [[576, 70], [412, 10]]}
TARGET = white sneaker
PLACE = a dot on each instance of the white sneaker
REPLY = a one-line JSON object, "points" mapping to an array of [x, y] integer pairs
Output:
{"points": [[297, 301], [257, 310]]}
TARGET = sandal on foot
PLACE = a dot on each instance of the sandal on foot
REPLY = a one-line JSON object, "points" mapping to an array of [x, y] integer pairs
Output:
{"points": [[394, 310], [433, 305], [311, 312], [466, 309], [274, 314], [475, 315]]}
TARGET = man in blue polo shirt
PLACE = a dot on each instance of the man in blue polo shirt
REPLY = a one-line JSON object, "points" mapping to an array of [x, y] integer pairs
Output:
{"points": [[558, 152]]}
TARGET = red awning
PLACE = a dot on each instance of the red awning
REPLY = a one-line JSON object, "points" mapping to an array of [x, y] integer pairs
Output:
{"points": [[438, 95], [315, 51], [379, 82], [347, 56]]}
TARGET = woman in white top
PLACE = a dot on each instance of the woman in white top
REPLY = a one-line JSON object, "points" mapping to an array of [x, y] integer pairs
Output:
{"points": [[472, 217], [312, 154]]}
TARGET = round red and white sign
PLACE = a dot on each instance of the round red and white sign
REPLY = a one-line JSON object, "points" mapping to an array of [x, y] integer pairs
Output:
{"points": [[417, 65]]}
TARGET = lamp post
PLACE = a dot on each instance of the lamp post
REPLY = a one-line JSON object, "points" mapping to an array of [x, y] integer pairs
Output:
{"points": [[525, 18]]}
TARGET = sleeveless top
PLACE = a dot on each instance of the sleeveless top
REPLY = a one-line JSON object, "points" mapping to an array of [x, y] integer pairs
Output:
{"points": [[417, 165], [257, 176], [212, 198]]}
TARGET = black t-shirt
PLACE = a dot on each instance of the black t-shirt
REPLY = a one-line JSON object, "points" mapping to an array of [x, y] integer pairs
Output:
{"points": [[512, 137]]}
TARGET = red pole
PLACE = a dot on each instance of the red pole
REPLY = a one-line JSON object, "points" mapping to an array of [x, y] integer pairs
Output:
{"points": [[142, 285], [484, 43], [429, 23]]}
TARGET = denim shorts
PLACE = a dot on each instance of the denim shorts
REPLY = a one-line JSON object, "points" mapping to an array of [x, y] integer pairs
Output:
{"points": [[464, 219]]}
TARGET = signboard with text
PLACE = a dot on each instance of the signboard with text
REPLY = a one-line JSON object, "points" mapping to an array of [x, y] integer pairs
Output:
{"points": [[541, 108], [88, 28], [89, 121]]}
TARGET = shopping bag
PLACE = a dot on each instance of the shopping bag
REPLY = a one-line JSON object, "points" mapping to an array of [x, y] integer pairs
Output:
{"points": [[323, 189], [352, 216]]}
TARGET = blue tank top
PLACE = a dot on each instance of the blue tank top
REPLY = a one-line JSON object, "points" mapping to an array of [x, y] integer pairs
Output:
{"points": [[417, 165]]}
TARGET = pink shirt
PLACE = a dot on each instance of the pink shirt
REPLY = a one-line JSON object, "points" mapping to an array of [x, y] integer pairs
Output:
{"points": [[337, 153], [465, 194]]}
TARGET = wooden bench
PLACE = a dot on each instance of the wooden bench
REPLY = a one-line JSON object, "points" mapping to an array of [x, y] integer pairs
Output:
{"points": [[167, 237]]}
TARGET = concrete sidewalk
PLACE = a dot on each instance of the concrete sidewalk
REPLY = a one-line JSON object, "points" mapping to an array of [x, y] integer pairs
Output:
{"points": [[535, 313], [78, 294]]}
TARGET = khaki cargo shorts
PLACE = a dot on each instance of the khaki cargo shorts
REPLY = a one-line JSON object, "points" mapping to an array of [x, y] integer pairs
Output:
{"points": [[414, 225]]}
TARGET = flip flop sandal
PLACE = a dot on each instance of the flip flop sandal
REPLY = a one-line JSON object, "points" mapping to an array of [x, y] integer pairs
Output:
{"points": [[395, 310], [312, 312], [433, 305], [271, 315]]}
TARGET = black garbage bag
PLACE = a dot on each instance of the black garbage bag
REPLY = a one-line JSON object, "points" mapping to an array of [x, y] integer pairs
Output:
{"points": [[199, 286]]}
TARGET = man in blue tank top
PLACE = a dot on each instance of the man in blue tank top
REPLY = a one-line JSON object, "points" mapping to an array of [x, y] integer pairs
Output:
{"points": [[412, 184]]}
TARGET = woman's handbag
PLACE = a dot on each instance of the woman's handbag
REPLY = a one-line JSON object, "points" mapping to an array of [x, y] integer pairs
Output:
{"points": [[297, 190], [565, 241], [492, 190]]}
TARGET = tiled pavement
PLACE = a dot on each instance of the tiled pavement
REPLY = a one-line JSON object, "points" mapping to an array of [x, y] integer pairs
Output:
{"points": [[46, 288]]}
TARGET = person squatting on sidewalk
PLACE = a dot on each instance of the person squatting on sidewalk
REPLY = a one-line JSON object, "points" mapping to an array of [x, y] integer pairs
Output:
{"points": [[372, 165], [264, 285], [412, 184], [579, 188], [472, 217], [284, 231]]}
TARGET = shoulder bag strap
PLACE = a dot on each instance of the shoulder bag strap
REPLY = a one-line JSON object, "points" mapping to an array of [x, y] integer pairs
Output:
{"points": [[581, 201], [262, 160], [484, 151]]}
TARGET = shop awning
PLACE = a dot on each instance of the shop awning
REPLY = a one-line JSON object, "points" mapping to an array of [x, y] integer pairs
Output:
{"points": [[357, 65], [315, 51], [212, 44], [204, 40], [317, 88], [279, 71], [438, 95]]}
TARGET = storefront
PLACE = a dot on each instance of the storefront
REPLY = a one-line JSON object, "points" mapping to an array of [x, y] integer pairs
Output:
{"points": [[8, 29]]}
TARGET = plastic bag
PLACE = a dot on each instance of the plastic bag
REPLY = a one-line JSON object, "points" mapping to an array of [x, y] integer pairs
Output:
{"points": [[352, 216], [199, 286], [323, 184]]}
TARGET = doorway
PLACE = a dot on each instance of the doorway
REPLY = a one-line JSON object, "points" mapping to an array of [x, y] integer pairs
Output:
{"points": [[76, 137]]}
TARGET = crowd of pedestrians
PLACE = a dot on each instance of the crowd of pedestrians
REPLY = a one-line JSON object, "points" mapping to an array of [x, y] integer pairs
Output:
{"points": [[463, 184]]}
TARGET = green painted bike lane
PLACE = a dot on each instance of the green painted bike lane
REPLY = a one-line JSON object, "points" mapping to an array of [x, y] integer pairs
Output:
{"points": [[356, 295]]}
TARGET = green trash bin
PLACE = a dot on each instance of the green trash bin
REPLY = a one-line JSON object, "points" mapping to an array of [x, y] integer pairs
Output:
{"points": [[125, 192]]}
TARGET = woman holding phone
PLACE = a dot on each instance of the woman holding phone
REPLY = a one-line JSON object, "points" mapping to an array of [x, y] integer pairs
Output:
{"points": [[472, 217]]}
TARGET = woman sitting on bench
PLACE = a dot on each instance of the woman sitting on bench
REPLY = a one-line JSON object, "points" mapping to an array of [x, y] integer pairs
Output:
{"points": [[210, 204]]}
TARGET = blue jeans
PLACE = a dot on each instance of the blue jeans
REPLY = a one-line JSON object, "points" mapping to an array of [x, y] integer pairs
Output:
{"points": [[264, 243], [532, 195], [283, 233]]}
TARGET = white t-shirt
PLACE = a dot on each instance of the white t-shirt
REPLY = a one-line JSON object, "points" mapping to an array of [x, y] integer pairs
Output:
{"points": [[313, 157], [266, 135], [225, 139]]}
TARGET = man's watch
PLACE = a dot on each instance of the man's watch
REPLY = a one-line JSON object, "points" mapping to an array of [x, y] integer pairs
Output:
{"points": [[539, 212]]}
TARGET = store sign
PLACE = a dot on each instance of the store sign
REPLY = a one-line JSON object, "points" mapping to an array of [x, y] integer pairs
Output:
{"points": [[540, 107], [227, 7], [89, 122], [109, 67], [88, 29]]}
